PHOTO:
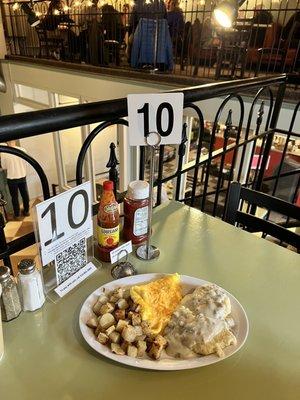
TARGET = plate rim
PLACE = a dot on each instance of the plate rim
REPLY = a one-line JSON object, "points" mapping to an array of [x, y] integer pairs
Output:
{"points": [[159, 365]]}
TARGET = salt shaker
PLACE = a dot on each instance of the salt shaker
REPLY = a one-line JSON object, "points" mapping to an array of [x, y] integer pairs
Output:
{"points": [[31, 284], [10, 301]]}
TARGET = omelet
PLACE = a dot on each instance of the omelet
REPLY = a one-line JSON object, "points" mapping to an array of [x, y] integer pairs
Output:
{"points": [[157, 301]]}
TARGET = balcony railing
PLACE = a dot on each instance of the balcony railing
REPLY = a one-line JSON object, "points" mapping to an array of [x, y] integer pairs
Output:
{"points": [[249, 147], [146, 35]]}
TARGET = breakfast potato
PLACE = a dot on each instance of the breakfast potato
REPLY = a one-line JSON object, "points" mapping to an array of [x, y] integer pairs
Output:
{"points": [[138, 330], [106, 320], [122, 304], [117, 349], [129, 334], [158, 345], [120, 314], [107, 308], [126, 294], [110, 330], [141, 348], [98, 329], [92, 323], [102, 338], [124, 345], [115, 337], [132, 351], [122, 323], [96, 308], [136, 319], [103, 299]]}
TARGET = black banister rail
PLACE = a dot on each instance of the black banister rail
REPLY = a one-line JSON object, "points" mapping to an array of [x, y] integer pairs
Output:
{"points": [[43, 121]]}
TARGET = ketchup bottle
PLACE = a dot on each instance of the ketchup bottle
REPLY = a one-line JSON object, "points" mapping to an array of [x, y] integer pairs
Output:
{"points": [[108, 231], [136, 212]]}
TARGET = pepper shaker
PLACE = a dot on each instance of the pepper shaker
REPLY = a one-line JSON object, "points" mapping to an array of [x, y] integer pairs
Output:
{"points": [[31, 285], [1, 332], [10, 301]]}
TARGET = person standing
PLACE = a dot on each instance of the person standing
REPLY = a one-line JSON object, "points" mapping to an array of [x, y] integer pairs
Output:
{"points": [[16, 179]]}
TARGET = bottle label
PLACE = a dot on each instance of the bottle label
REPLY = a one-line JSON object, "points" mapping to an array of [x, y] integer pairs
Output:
{"points": [[108, 237], [140, 223], [110, 208]]}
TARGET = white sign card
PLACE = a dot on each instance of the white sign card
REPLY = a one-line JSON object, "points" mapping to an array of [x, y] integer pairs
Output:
{"points": [[161, 113], [64, 224], [120, 252], [75, 279]]}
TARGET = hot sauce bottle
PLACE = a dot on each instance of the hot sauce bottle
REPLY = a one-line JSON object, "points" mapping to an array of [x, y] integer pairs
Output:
{"points": [[136, 212], [108, 222]]}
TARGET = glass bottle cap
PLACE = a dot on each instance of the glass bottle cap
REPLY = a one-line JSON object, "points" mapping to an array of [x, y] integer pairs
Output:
{"points": [[4, 273], [26, 266]]}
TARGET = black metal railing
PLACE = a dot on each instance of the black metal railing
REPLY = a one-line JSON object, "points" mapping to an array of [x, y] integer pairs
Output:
{"points": [[181, 39], [254, 152]]}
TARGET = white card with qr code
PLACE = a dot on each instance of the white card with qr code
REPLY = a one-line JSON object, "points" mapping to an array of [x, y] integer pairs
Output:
{"points": [[70, 260]]}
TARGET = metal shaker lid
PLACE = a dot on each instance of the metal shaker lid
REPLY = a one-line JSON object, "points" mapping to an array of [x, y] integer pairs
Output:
{"points": [[4, 273], [26, 266]]}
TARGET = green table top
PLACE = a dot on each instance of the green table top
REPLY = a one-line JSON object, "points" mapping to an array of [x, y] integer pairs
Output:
{"points": [[46, 357]]}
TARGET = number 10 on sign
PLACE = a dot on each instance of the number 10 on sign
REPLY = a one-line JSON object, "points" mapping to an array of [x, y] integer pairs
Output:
{"points": [[161, 113]]}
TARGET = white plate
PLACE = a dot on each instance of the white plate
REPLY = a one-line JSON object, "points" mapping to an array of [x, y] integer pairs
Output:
{"points": [[165, 363]]}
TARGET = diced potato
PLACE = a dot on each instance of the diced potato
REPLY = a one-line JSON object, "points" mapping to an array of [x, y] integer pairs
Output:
{"points": [[107, 308], [118, 292], [138, 330], [103, 299], [115, 337], [145, 327], [160, 341], [129, 334], [124, 346], [121, 325], [110, 330], [132, 351], [120, 314], [126, 294], [102, 338], [92, 323], [117, 349], [141, 337], [130, 314], [96, 308], [141, 347], [122, 304], [106, 321], [157, 346], [136, 319], [98, 329]]}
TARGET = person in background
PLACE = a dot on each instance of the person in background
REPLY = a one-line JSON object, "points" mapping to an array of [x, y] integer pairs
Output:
{"points": [[16, 179], [176, 24]]}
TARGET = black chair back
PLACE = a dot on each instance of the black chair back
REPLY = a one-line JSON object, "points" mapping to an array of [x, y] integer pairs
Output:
{"points": [[233, 214]]}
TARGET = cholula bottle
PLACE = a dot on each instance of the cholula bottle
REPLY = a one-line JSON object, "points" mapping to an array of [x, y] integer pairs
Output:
{"points": [[108, 222]]}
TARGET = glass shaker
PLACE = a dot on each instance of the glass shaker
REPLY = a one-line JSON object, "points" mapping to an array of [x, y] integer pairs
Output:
{"points": [[31, 284], [10, 301]]}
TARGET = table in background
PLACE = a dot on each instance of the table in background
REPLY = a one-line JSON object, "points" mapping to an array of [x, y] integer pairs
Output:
{"points": [[47, 358]]}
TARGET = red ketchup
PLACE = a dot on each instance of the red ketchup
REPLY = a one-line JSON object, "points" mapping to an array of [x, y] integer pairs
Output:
{"points": [[136, 212]]}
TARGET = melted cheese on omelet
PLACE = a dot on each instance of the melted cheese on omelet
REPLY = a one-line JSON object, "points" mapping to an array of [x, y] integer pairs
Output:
{"points": [[158, 300]]}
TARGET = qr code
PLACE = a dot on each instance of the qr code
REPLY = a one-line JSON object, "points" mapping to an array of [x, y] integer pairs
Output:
{"points": [[70, 260]]}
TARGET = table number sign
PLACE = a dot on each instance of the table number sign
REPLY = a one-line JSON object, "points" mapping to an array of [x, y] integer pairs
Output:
{"points": [[154, 120], [64, 224], [160, 113]]}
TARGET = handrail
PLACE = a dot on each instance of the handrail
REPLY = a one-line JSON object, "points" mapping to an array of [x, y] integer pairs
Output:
{"points": [[43, 121]]}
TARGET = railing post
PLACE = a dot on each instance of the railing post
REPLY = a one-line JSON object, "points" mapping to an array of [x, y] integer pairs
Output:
{"points": [[269, 141], [112, 164]]}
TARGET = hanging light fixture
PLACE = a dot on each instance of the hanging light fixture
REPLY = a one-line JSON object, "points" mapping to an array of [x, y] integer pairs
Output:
{"points": [[226, 11], [16, 6], [32, 18]]}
